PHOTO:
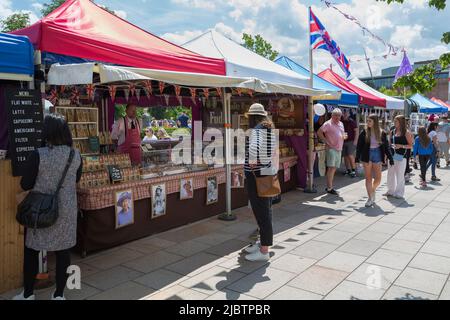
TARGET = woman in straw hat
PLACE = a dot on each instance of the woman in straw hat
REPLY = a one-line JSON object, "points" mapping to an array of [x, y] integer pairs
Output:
{"points": [[260, 149]]}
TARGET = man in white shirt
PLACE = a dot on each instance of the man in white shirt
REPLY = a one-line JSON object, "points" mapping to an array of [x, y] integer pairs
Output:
{"points": [[126, 132]]}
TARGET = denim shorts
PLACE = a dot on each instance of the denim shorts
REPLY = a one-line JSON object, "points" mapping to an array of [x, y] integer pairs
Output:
{"points": [[375, 155]]}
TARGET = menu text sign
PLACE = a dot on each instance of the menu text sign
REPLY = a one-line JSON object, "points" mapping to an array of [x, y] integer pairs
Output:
{"points": [[25, 120]]}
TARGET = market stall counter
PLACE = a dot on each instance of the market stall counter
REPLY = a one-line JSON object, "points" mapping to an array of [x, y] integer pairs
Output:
{"points": [[114, 214]]}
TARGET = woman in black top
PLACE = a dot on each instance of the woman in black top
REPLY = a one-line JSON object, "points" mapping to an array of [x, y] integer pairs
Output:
{"points": [[372, 148], [401, 144]]}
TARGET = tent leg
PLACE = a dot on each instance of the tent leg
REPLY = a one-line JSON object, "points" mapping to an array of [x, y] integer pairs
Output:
{"points": [[228, 215], [310, 188]]}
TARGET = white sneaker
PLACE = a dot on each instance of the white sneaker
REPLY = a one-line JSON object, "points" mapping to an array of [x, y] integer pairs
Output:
{"points": [[369, 203], [21, 296], [253, 248], [257, 256], [57, 298]]}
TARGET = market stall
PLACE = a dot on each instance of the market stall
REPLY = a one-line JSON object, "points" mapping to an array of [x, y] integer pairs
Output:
{"points": [[428, 106], [16, 72], [347, 101]]}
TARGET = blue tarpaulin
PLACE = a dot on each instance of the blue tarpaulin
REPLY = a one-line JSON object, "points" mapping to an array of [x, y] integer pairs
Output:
{"points": [[347, 98], [16, 57], [427, 106]]}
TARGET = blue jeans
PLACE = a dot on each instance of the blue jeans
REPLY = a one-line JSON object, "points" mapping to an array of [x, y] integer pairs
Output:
{"points": [[375, 156], [433, 161]]}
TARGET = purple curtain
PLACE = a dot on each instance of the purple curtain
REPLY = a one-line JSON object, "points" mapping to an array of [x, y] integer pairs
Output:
{"points": [[299, 144]]}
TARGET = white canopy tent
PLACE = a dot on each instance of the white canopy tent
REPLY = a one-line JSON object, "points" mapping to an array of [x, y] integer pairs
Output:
{"points": [[243, 63], [83, 73], [391, 103]]}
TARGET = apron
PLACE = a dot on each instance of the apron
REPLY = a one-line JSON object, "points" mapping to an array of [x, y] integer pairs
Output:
{"points": [[132, 144]]}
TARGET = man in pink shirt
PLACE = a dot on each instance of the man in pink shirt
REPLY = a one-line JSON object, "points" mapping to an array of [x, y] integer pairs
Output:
{"points": [[333, 133]]}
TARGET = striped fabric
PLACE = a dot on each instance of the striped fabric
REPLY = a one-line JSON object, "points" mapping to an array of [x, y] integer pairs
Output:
{"points": [[260, 149]]}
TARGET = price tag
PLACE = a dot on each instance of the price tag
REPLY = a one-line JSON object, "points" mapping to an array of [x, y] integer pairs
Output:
{"points": [[115, 174]]}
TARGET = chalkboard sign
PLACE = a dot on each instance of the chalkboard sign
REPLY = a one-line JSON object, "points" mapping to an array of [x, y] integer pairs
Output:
{"points": [[94, 144], [25, 120], [115, 174]]}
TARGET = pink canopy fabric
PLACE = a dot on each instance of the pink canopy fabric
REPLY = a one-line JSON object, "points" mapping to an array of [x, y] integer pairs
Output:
{"points": [[80, 28], [364, 96], [442, 103]]}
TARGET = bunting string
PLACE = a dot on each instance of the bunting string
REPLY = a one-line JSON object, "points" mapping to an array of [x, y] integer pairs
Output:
{"points": [[392, 50]]}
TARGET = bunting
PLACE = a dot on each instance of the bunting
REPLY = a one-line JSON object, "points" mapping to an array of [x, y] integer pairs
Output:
{"points": [[161, 87], [53, 97], [193, 94], [75, 96], [148, 88], [90, 90], [178, 93], [112, 92]]}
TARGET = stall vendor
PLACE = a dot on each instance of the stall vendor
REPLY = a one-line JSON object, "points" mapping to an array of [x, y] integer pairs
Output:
{"points": [[126, 132]]}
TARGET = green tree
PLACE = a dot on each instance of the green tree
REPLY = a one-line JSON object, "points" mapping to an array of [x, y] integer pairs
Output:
{"points": [[15, 21], [54, 4], [423, 79], [259, 45], [395, 92]]}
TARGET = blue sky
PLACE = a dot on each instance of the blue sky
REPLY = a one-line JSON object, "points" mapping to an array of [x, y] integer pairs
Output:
{"points": [[413, 26]]}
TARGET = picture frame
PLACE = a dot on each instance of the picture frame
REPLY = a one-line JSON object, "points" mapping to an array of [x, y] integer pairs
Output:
{"points": [[124, 208], [212, 190], [237, 180], [186, 188], [159, 200]]}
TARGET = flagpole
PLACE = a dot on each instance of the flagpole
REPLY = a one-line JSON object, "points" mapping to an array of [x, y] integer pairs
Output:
{"points": [[310, 185]]}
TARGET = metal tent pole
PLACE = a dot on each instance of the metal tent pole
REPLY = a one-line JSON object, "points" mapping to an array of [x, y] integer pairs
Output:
{"points": [[228, 215], [310, 186]]}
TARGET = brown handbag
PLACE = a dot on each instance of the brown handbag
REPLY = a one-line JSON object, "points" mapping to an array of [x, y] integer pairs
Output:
{"points": [[267, 186]]}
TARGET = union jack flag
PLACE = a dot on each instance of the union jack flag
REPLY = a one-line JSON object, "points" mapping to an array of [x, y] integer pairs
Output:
{"points": [[321, 39]]}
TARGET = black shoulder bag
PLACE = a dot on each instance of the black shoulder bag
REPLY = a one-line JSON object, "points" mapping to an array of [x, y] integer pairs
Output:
{"points": [[39, 210]]}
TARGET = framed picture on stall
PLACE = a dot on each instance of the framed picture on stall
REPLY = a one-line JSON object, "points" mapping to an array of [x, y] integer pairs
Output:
{"points": [[124, 208], [212, 190], [158, 200], [186, 189], [237, 180]]}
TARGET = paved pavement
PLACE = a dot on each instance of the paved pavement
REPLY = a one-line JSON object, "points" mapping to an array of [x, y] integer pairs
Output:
{"points": [[326, 247]]}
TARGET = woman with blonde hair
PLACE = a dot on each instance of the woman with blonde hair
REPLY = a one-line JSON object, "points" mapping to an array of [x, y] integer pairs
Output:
{"points": [[162, 134], [372, 148], [401, 141]]}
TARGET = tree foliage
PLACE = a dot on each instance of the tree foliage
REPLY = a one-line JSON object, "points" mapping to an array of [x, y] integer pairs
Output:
{"points": [[54, 4], [15, 21], [50, 6], [423, 79], [259, 45]]}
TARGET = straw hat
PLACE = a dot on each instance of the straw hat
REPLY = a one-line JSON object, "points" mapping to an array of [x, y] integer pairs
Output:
{"points": [[256, 109]]}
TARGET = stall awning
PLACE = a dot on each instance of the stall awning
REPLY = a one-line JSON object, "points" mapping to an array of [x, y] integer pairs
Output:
{"points": [[442, 103], [347, 98], [16, 58], [83, 73], [364, 96], [80, 28], [244, 63], [428, 106], [391, 103]]}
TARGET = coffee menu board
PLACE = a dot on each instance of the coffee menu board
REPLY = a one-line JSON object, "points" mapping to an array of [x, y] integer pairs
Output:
{"points": [[25, 120]]}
